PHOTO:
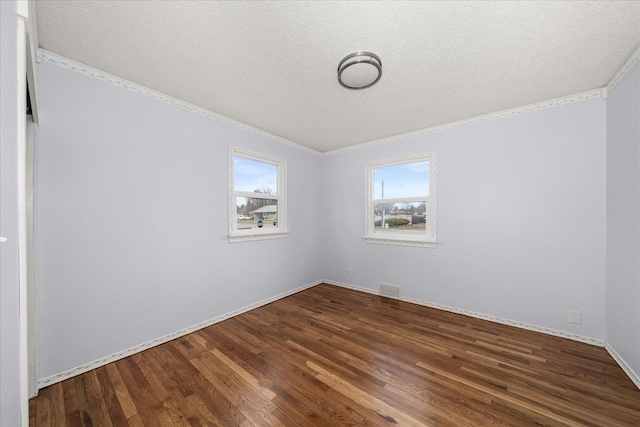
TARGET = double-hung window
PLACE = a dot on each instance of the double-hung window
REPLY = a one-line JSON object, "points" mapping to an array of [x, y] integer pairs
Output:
{"points": [[257, 196], [401, 201]]}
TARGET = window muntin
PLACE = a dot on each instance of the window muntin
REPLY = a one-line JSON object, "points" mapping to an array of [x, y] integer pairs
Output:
{"points": [[257, 196], [401, 201]]}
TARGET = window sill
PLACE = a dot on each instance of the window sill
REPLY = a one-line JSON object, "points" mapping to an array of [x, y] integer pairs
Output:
{"points": [[399, 241], [235, 238]]}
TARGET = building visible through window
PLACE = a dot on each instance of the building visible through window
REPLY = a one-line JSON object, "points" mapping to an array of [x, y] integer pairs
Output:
{"points": [[401, 201], [257, 202]]}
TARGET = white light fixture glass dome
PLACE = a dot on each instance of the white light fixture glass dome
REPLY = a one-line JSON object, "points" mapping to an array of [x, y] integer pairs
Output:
{"points": [[359, 70]]}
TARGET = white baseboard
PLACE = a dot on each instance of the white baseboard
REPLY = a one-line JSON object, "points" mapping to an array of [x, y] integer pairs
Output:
{"points": [[521, 325], [160, 340], [634, 377], [625, 367]]}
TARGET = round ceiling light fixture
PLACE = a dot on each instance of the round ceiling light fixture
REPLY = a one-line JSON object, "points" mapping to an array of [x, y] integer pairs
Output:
{"points": [[359, 70]]}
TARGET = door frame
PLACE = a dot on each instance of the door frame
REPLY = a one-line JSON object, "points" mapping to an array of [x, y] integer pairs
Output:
{"points": [[26, 86]]}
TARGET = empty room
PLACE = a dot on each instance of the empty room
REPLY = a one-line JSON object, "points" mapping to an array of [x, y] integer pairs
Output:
{"points": [[320, 213]]}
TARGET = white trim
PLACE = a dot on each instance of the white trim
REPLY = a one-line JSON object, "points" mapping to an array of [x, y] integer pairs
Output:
{"points": [[604, 93], [635, 378], [21, 106], [400, 242], [52, 379], [281, 230], [354, 287], [32, 341], [141, 347], [495, 319], [257, 156], [31, 79], [583, 96], [27, 10], [235, 238], [23, 8], [50, 57], [626, 67], [70, 64], [27, 66], [426, 240]]}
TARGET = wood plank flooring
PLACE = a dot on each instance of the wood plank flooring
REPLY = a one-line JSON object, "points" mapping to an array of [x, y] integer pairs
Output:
{"points": [[329, 356]]}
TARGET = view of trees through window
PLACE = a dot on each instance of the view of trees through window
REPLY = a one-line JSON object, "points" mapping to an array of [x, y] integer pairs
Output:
{"points": [[247, 205], [253, 212], [256, 191], [400, 194]]}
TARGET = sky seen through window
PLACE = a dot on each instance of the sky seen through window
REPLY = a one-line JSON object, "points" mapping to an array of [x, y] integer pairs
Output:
{"points": [[404, 180], [250, 175]]}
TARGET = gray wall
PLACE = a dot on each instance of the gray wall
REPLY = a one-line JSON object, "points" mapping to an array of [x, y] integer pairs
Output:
{"points": [[131, 209], [623, 218], [521, 219], [9, 284], [132, 221]]}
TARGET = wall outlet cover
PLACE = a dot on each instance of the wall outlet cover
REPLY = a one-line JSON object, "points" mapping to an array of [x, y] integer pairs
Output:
{"points": [[575, 317]]}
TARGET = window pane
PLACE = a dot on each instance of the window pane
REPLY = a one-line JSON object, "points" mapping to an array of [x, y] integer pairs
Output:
{"points": [[406, 180], [400, 218], [254, 176], [256, 213]]}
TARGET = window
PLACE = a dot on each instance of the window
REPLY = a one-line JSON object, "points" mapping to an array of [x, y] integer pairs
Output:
{"points": [[401, 201], [257, 196]]}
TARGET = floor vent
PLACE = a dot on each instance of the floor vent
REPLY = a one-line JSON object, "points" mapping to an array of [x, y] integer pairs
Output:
{"points": [[389, 290]]}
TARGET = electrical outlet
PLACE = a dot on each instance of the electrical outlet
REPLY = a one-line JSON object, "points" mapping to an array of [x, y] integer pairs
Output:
{"points": [[575, 317], [349, 271]]}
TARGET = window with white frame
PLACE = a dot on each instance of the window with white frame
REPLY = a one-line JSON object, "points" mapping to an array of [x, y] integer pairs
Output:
{"points": [[401, 201], [257, 196]]}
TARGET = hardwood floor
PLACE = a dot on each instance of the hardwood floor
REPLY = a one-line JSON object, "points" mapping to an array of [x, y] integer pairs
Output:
{"points": [[331, 356]]}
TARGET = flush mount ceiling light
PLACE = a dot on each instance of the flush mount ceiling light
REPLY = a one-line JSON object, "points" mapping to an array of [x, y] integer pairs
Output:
{"points": [[359, 70]]}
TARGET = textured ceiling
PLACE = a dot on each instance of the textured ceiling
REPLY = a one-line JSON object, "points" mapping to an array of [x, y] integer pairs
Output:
{"points": [[272, 65]]}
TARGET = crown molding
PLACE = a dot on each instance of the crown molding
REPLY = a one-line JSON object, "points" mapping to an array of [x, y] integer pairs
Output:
{"points": [[52, 379], [548, 331], [72, 65], [626, 67], [583, 96], [53, 58]]}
